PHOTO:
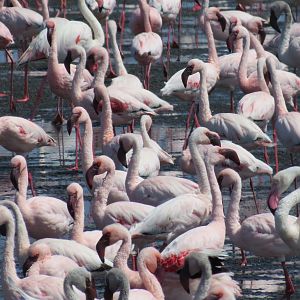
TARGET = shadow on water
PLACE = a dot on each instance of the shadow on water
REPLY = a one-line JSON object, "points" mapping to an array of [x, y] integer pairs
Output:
{"points": [[262, 278]]}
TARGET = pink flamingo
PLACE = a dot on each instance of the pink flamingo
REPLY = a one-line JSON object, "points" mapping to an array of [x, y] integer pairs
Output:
{"points": [[288, 50], [256, 233], [186, 211], [174, 85], [210, 237], [125, 212], [146, 46], [37, 286], [44, 216], [228, 125], [219, 286]]}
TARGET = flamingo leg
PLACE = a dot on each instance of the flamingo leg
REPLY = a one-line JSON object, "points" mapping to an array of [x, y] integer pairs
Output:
{"points": [[38, 97], [232, 101], [275, 149], [122, 26], [58, 119], [187, 124], [179, 31], [168, 49], [254, 195], [26, 96], [12, 105], [244, 261], [266, 156], [289, 288], [30, 180], [295, 183]]}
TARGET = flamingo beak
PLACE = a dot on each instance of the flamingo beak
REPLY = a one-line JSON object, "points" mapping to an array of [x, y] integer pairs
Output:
{"points": [[101, 245], [108, 294], [90, 174], [67, 62], [273, 21], [70, 203], [90, 290], [122, 155], [71, 122], [13, 178], [262, 35], [230, 154], [214, 139], [3, 230], [28, 263], [220, 179], [186, 73], [273, 201], [222, 21], [184, 278], [49, 36]]}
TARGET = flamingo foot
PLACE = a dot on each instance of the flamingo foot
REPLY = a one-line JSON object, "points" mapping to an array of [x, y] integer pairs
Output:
{"points": [[244, 261], [23, 100], [174, 45], [58, 120]]}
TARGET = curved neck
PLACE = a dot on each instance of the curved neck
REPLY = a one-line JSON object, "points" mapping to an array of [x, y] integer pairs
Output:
{"points": [[53, 58], [243, 67], [204, 112], [145, 136], [260, 75], [212, 51], [145, 14], [255, 43], [87, 154], [102, 69], [286, 33], [280, 106], [204, 284], [120, 68], [69, 290], [150, 281], [217, 210], [233, 224], [78, 77], [9, 266], [288, 232], [200, 168], [132, 178], [21, 193], [93, 22], [23, 242], [45, 10], [106, 130]]}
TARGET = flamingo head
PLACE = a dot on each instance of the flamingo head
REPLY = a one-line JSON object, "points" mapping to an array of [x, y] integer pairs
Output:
{"points": [[18, 165], [193, 66], [73, 53], [204, 136], [228, 177], [115, 280], [150, 257], [214, 14], [275, 11], [79, 115], [256, 26], [110, 235], [75, 193], [127, 142]]}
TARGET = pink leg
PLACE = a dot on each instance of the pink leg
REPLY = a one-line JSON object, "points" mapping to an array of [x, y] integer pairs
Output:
{"points": [[168, 49], [58, 119], [289, 286], [122, 26], [275, 149], [254, 195], [187, 125], [134, 258], [244, 259], [75, 168], [179, 31], [12, 105], [30, 180], [266, 156], [231, 101], [25, 97], [38, 97], [148, 76], [111, 74]]}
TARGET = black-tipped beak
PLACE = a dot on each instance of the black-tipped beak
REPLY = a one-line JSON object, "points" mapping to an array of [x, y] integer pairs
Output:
{"points": [[222, 21], [273, 200], [71, 200], [230, 154], [262, 35], [220, 179], [100, 9], [184, 279], [90, 174], [214, 139], [240, 7], [96, 105], [198, 2], [273, 21], [185, 75], [101, 245], [122, 155], [49, 36], [90, 290], [13, 178], [71, 122], [28, 263], [67, 62]]}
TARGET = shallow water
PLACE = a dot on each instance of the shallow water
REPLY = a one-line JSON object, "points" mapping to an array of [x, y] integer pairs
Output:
{"points": [[262, 278]]}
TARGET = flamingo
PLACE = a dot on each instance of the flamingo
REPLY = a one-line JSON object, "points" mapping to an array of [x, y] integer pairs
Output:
{"points": [[44, 216], [288, 51], [146, 46], [174, 85], [256, 233], [127, 213], [220, 285], [81, 254], [229, 125], [37, 286]]}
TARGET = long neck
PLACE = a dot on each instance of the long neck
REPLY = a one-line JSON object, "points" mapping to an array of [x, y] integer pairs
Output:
{"points": [[280, 106], [150, 281], [101, 193], [288, 232], [145, 14], [200, 168], [242, 75], [87, 146], [286, 33], [101, 71], [203, 287], [255, 43], [9, 266], [133, 169], [145, 136], [260, 75], [78, 77], [21, 193], [23, 242], [93, 22], [212, 51], [78, 227], [53, 58], [106, 131], [16, 3], [45, 10], [233, 224], [120, 68], [69, 290], [217, 210], [204, 113]]}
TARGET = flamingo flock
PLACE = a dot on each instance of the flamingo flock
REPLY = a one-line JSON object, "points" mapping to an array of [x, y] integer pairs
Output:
{"points": [[149, 233]]}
